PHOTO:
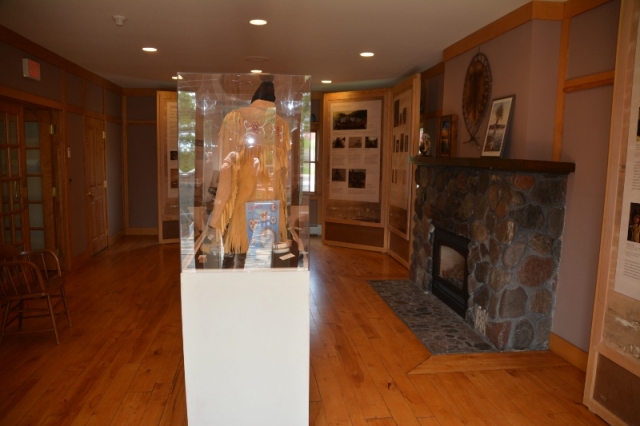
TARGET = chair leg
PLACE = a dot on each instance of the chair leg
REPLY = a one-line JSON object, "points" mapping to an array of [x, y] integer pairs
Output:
{"points": [[53, 319], [64, 301], [20, 313], [4, 320]]}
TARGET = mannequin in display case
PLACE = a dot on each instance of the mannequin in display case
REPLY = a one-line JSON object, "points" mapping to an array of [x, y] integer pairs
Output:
{"points": [[254, 142]]}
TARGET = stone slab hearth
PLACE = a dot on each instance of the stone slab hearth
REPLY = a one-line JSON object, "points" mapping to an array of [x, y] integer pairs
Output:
{"points": [[514, 221]]}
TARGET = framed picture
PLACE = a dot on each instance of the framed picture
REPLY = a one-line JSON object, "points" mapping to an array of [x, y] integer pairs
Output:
{"points": [[447, 136], [498, 129]]}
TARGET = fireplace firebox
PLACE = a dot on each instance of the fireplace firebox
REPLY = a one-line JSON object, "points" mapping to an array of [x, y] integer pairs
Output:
{"points": [[450, 270]]}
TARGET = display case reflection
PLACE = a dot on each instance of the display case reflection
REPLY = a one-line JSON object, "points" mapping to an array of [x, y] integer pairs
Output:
{"points": [[240, 171]]}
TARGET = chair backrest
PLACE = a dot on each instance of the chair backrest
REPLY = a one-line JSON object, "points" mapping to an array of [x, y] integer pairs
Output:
{"points": [[20, 278], [46, 261]]}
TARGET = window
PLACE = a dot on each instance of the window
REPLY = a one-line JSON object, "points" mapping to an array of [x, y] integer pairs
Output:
{"points": [[310, 156]]}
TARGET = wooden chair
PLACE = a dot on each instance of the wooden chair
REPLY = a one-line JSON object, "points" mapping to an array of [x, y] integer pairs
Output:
{"points": [[32, 279]]}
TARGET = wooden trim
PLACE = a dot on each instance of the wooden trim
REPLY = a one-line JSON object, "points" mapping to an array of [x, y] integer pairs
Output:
{"points": [[625, 361], [576, 7], [558, 126], [113, 238], [353, 246], [433, 114], [141, 231], [435, 70], [93, 114], [503, 164], [353, 222], [567, 351], [18, 95], [22, 43], [113, 119], [588, 82], [534, 10], [400, 260], [459, 363], [139, 92]]}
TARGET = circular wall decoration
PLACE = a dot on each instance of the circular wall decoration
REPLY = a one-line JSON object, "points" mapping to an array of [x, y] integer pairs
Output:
{"points": [[476, 94]]}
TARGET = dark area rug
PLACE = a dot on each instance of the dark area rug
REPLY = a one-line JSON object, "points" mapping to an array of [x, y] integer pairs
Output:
{"points": [[440, 329]]}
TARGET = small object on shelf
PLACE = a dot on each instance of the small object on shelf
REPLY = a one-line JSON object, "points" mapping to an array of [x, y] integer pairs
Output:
{"points": [[425, 145]]}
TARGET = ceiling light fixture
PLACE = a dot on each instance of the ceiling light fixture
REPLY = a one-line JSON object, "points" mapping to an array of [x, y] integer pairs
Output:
{"points": [[149, 49], [177, 77], [258, 22], [256, 71], [326, 81], [366, 54]]}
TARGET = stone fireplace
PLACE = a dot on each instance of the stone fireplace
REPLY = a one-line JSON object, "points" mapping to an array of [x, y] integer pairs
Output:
{"points": [[512, 214]]}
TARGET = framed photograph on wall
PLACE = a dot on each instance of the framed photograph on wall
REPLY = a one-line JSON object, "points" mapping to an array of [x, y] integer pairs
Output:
{"points": [[447, 136], [498, 128]]}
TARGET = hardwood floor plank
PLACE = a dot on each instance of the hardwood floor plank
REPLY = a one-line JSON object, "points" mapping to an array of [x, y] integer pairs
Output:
{"points": [[438, 405], [393, 364], [537, 412], [314, 392], [393, 397], [131, 409], [122, 361], [331, 393], [503, 404], [103, 410]]}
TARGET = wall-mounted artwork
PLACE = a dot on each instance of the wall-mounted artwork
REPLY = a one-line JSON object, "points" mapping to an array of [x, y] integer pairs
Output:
{"points": [[498, 129]]}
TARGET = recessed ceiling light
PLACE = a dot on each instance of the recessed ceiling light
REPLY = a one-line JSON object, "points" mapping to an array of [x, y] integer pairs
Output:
{"points": [[258, 22], [149, 49], [256, 71], [326, 81], [366, 54], [177, 77]]}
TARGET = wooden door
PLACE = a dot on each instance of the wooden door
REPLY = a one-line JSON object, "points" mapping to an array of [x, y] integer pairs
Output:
{"points": [[95, 178], [40, 179], [13, 214]]}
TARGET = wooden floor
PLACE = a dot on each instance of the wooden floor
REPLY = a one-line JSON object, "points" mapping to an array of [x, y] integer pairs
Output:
{"points": [[121, 363]]}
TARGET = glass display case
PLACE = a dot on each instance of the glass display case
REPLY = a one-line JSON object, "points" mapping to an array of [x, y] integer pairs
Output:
{"points": [[240, 171]]}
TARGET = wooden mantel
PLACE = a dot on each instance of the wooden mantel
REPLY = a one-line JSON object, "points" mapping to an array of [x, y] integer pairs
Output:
{"points": [[500, 164]]}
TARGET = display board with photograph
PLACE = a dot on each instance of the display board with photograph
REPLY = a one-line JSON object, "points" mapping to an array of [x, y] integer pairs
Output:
{"points": [[613, 369], [355, 151], [354, 141], [167, 161]]}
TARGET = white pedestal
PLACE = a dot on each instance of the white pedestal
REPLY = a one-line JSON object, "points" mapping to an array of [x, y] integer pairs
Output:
{"points": [[246, 347]]}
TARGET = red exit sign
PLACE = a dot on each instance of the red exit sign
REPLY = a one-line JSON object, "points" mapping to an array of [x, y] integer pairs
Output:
{"points": [[30, 69]]}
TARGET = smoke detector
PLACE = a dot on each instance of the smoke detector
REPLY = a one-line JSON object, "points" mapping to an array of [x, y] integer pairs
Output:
{"points": [[119, 19]]}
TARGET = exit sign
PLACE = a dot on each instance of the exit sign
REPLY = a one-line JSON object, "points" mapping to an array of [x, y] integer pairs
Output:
{"points": [[30, 69]]}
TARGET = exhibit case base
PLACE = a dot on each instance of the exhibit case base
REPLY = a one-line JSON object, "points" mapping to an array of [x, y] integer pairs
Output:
{"points": [[246, 347]]}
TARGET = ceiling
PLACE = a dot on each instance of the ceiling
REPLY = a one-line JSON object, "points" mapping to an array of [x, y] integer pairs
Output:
{"points": [[320, 38]]}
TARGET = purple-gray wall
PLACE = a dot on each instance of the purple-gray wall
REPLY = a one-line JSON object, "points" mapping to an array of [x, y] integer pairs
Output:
{"points": [[585, 141], [524, 62], [115, 178]]}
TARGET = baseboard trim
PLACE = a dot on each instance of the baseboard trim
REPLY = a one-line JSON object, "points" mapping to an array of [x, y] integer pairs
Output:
{"points": [[113, 238], [142, 231], [569, 352]]}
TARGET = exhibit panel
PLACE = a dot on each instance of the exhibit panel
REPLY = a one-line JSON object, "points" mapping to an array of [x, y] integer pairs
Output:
{"points": [[613, 371], [355, 134], [244, 238], [406, 134], [167, 131]]}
